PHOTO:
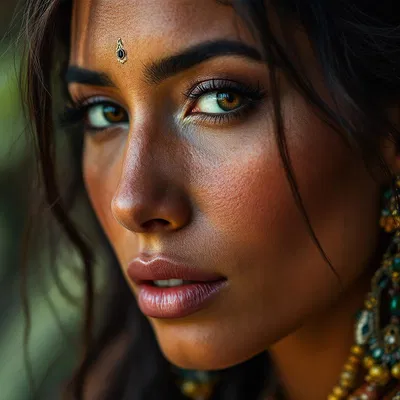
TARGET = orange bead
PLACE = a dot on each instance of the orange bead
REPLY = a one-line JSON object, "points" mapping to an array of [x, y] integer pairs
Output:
{"points": [[368, 362]]}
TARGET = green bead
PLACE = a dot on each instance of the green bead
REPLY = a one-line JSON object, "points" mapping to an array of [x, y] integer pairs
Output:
{"points": [[396, 264], [388, 194], [395, 305], [383, 281], [377, 353]]}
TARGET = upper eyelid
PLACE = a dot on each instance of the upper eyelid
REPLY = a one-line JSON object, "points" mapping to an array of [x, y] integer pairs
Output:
{"points": [[214, 84], [195, 91]]}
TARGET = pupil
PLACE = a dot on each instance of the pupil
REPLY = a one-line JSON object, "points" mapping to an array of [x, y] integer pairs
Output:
{"points": [[227, 100], [113, 113], [229, 97]]}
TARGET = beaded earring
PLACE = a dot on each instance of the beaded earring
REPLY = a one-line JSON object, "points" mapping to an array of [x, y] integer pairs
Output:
{"points": [[377, 328]]}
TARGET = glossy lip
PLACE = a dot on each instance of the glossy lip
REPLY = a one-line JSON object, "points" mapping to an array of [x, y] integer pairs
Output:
{"points": [[174, 302]]}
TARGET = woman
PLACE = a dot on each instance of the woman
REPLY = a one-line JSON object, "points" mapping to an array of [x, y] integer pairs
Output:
{"points": [[236, 154]]}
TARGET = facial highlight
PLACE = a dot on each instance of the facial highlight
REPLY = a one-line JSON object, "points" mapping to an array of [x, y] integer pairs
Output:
{"points": [[182, 167]]}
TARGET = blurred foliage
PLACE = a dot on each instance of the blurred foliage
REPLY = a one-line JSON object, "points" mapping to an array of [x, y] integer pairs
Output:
{"points": [[54, 320]]}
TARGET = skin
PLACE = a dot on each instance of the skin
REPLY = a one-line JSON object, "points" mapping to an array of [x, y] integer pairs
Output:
{"points": [[216, 196]]}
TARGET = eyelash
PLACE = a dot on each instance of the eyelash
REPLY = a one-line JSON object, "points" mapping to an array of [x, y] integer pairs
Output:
{"points": [[75, 113], [252, 95]]}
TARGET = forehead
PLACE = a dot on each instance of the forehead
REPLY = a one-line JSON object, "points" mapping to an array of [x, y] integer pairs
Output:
{"points": [[149, 28]]}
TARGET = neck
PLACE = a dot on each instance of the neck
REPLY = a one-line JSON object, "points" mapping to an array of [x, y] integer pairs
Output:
{"points": [[310, 360]]}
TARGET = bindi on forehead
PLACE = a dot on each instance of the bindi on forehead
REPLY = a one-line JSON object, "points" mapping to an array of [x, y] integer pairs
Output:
{"points": [[148, 27]]}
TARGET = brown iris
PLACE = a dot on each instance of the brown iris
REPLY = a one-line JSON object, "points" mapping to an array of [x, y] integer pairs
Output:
{"points": [[229, 101], [114, 114]]}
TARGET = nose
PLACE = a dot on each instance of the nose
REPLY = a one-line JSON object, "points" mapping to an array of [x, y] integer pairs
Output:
{"points": [[150, 197]]}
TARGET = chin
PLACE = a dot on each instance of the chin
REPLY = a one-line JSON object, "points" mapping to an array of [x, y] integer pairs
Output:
{"points": [[197, 348]]}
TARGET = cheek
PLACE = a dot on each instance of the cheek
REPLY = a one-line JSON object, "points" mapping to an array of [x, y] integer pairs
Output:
{"points": [[251, 202], [102, 166], [262, 239]]}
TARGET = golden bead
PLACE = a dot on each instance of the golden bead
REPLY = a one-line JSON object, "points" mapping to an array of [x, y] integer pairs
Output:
{"points": [[379, 374], [333, 397], [357, 350], [339, 391], [346, 383], [347, 379], [347, 375], [196, 390], [368, 305], [395, 275], [396, 371], [189, 388], [350, 367], [387, 263], [368, 362]]}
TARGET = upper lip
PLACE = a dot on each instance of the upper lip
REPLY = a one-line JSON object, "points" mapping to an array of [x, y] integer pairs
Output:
{"points": [[141, 270]]}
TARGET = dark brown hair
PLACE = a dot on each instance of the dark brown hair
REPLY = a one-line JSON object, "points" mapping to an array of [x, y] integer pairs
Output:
{"points": [[357, 44]]}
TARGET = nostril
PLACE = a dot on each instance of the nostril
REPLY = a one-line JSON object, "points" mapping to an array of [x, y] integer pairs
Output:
{"points": [[154, 224]]}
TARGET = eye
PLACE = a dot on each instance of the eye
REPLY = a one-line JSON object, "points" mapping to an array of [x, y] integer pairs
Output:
{"points": [[103, 115], [218, 102]]}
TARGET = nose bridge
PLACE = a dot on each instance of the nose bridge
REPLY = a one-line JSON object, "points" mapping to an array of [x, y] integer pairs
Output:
{"points": [[148, 196], [139, 170]]}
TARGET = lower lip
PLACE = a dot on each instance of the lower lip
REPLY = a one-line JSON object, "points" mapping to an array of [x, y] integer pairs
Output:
{"points": [[178, 301]]}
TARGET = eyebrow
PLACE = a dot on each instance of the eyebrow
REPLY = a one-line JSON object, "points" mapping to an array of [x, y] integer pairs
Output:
{"points": [[164, 68], [84, 76]]}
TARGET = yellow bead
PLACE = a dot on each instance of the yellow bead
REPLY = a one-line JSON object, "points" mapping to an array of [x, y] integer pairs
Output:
{"points": [[196, 390], [396, 371], [368, 305], [346, 383], [395, 275], [357, 350], [368, 362], [379, 374], [333, 397], [189, 388], [387, 263], [347, 375], [339, 391], [350, 367], [347, 379]]}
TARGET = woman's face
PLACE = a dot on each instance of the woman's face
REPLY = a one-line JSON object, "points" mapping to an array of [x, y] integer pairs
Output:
{"points": [[183, 170]]}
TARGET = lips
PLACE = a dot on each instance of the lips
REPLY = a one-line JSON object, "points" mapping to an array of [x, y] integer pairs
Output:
{"points": [[191, 289]]}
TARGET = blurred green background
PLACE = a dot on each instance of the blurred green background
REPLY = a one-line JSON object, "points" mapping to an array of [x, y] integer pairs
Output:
{"points": [[54, 321]]}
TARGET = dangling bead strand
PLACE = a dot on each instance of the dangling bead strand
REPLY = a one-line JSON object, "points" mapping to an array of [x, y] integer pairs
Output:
{"points": [[377, 345]]}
